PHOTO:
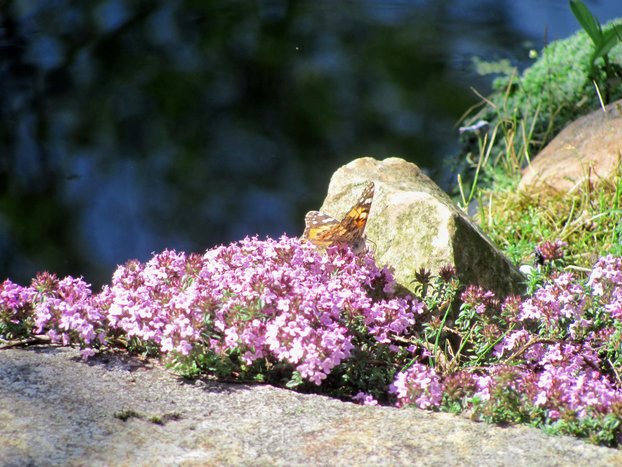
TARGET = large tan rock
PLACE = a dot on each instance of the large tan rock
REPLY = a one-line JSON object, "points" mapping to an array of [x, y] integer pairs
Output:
{"points": [[116, 410], [588, 147], [413, 224]]}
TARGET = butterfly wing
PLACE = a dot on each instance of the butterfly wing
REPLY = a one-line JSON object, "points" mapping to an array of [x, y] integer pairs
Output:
{"points": [[355, 220], [323, 230], [320, 228]]}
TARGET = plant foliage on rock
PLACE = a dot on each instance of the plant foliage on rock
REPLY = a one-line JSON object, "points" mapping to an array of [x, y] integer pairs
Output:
{"points": [[282, 312]]}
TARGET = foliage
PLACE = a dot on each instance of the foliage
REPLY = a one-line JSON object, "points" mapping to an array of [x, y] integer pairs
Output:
{"points": [[523, 114], [604, 40]]}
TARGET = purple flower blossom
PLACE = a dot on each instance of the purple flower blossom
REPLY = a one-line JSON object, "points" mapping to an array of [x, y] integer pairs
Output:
{"points": [[570, 381], [66, 311], [364, 399], [479, 298], [606, 283], [418, 385], [562, 298], [512, 342], [15, 297], [15, 302]]}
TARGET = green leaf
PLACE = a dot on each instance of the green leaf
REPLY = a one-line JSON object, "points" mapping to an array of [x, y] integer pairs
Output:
{"points": [[587, 21], [610, 38]]}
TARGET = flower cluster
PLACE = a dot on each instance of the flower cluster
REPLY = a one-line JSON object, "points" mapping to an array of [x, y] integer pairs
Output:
{"points": [[559, 344], [418, 385], [561, 300], [552, 356], [550, 251], [606, 283], [278, 300], [561, 378], [571, 381], [364, 399], [15, 309], [157, 302], [65, 310], [480, 299]]}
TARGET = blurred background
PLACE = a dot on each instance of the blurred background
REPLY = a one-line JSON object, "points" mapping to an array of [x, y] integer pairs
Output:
{"points": [[127, 127]]}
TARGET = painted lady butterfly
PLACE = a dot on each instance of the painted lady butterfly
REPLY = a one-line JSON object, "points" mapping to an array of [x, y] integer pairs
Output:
{"points": [[323, 230]]}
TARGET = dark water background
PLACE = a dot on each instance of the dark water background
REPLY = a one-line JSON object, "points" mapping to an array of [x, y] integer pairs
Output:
{"points": [[127, 127]]}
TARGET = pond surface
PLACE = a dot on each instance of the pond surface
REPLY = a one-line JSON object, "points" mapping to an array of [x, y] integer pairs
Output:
{"points": [[130, 127]]}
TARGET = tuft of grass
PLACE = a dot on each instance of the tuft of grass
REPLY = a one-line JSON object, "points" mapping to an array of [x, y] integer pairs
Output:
{"points": [[603, 39], [126, 414], [589, 220]]}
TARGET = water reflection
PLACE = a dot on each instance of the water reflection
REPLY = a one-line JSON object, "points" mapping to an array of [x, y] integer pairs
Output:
{"points": [[129, 127]]}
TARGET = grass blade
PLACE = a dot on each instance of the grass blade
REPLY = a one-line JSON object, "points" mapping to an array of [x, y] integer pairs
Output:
{"points": [[610, 38], [587, 21]]}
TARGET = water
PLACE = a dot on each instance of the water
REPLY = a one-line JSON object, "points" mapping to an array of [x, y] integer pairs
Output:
{"points": [[130, 127]]}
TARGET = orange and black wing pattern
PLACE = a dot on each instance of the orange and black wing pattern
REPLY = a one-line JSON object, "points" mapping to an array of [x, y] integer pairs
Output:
{"points": [[323, 230]]}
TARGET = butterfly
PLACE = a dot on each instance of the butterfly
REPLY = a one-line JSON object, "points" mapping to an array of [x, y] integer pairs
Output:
{"points": [[323, 230]]}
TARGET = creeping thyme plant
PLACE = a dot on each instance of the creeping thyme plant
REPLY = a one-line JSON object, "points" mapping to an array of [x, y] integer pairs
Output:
{"points": [[279, 311], [551, 358]]}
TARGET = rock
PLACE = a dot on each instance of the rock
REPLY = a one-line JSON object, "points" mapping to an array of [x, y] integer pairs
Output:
{"points": [[588, 147], [413, 224], [56, 409]]}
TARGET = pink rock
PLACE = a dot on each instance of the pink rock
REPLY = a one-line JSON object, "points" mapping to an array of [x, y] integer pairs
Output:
{"points": [[588, 147]]}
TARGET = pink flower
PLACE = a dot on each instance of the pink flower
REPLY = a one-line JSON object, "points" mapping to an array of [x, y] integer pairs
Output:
{"points": [[560, 299], [419, 385], [549, 251], [364, 398], [511, 342]]}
